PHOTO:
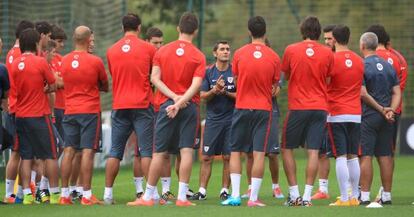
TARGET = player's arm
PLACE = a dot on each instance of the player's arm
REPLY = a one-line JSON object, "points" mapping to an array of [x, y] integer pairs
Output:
{"points": [[156, 80], [52, 100], [103, 83]]}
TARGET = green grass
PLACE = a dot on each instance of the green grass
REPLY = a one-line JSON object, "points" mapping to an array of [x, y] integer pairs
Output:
{"points": [[403, 196]]}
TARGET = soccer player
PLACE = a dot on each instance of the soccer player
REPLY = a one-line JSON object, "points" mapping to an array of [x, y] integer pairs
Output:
{"points": [[381, 95], [45, 30], [256, 69], [177, 73], [155, 37], [307, 65], [83, 76], [344, 102], [324, 165], [33, 124], [129, 61], [219, 92], [10, 125]]}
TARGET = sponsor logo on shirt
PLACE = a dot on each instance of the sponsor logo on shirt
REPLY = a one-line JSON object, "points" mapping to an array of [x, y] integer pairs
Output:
{"points": [[21, 66], [310, 52], [390, 61], [75, 64], [380, 66], [348, 63], [257, 54], [179, 52], [11, 59], [125, 48]]}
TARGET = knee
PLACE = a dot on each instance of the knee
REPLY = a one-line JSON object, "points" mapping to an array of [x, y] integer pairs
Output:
{"points": [[207, 159], [226, 158]]}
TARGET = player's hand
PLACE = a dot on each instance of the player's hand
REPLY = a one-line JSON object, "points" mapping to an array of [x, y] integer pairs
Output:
{"points": [[177, 98], [5, 105], [390, 116], [172, 110], [275, 90], [220, 82], [223, 91]]}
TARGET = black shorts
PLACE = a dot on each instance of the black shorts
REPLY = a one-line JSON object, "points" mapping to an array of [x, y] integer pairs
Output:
{"points": [[182, 131], [10, 127], [343, 138], [216, 139], [250, 130], [377, 136], [304, 128], [273, 141], [59, 113], [36, 138], [83, 131]]}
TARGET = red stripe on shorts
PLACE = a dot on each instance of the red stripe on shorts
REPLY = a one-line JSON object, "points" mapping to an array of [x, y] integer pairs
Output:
{"points": [[284, 130], [269, 124], [51, 137], [331, 138]]}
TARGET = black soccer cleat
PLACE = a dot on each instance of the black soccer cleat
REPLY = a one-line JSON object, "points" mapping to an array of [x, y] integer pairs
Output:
{"points": [[224, 196], [198, 196]]}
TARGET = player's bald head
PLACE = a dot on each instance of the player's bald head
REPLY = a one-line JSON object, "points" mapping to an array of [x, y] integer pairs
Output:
{"points": [[82, 35]]}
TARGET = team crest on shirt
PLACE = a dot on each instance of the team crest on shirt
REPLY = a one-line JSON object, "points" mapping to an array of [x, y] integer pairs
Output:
{"points": [[179, 52], [230, 79], [310, 52], [75, 64], [206, 148], [390, 61], [11, 59], [125, 48], [380, 66], [21, 66], [348, 63], [257, 54]]}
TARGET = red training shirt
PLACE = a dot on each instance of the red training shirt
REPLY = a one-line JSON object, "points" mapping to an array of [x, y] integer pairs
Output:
{"points": [[60, 94], [13, 54]]}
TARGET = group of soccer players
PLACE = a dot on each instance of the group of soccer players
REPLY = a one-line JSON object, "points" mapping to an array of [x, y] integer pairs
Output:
{"points": [[340, 105]]}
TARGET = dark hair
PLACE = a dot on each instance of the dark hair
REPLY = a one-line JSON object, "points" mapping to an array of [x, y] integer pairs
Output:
{"points": [[50, 45], [257, 26], [341, 34], [379, 30], [329, 28], [216, 45], [130, 22], [24, 24], [310, 28], [28, 40], [188, 23], [58, 33], [43, 27], [153, 32]]}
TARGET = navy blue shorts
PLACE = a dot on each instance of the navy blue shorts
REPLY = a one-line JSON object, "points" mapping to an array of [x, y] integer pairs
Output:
{"points": [[83, 131], [59, 113], [36, 138], [10, 126], [343, 138], [377, 136], [396, 126], [216, 138], [124, 121], [250, 130], [273, 142], [304, 128], [182, 131]]}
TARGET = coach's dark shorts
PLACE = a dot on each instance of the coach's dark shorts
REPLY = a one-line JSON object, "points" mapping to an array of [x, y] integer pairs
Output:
{"points": [[343, 138], [377, 136], [250, 128], [83, 131], [179, 132], [216, 139], [304, 128], [36, 138], [124, 121], [10, 126]]}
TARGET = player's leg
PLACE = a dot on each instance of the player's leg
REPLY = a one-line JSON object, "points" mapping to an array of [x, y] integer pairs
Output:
{"points": [[272, 152], [74, 188], [12, 167]]}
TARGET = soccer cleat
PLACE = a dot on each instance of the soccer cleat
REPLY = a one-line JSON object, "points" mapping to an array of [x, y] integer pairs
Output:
{"points": [[45, 196], [354, 202], [168, 196], [382, 202], [28, 199], [293, 202], [11, 199], [65, 201], [224, 196], [247, 194], [141, 202], [256, 203], [363, 203], [189, 193], [277, 193], [198, 196], [184, 203], [74, 195], [379, 194], [306, 203], [320, 195], [54, 198], [18, 200], [96, 200], [109, 201], [139, 194], [232, 201], [32, 186], [340, 203], [92, 201]]}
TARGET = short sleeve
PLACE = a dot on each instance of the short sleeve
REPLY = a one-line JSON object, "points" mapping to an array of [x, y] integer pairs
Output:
{"points": [[235, 65], [101, 71], [201, 68], [276, 77], [47, 73], [156, 59], [286, 62], [205, 86]]}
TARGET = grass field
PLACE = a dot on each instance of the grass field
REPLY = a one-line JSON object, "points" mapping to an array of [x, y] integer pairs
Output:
{"points": [[403, 196]]}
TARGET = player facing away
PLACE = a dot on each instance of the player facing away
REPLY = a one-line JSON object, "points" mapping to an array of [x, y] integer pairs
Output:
{"points": [[219, 91], [177, 73], [12, 167], [256, 69], [381, 96], [307, 65], [324, 164], [129, 61], [83, 76], [344, 119], [33, 124]]}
